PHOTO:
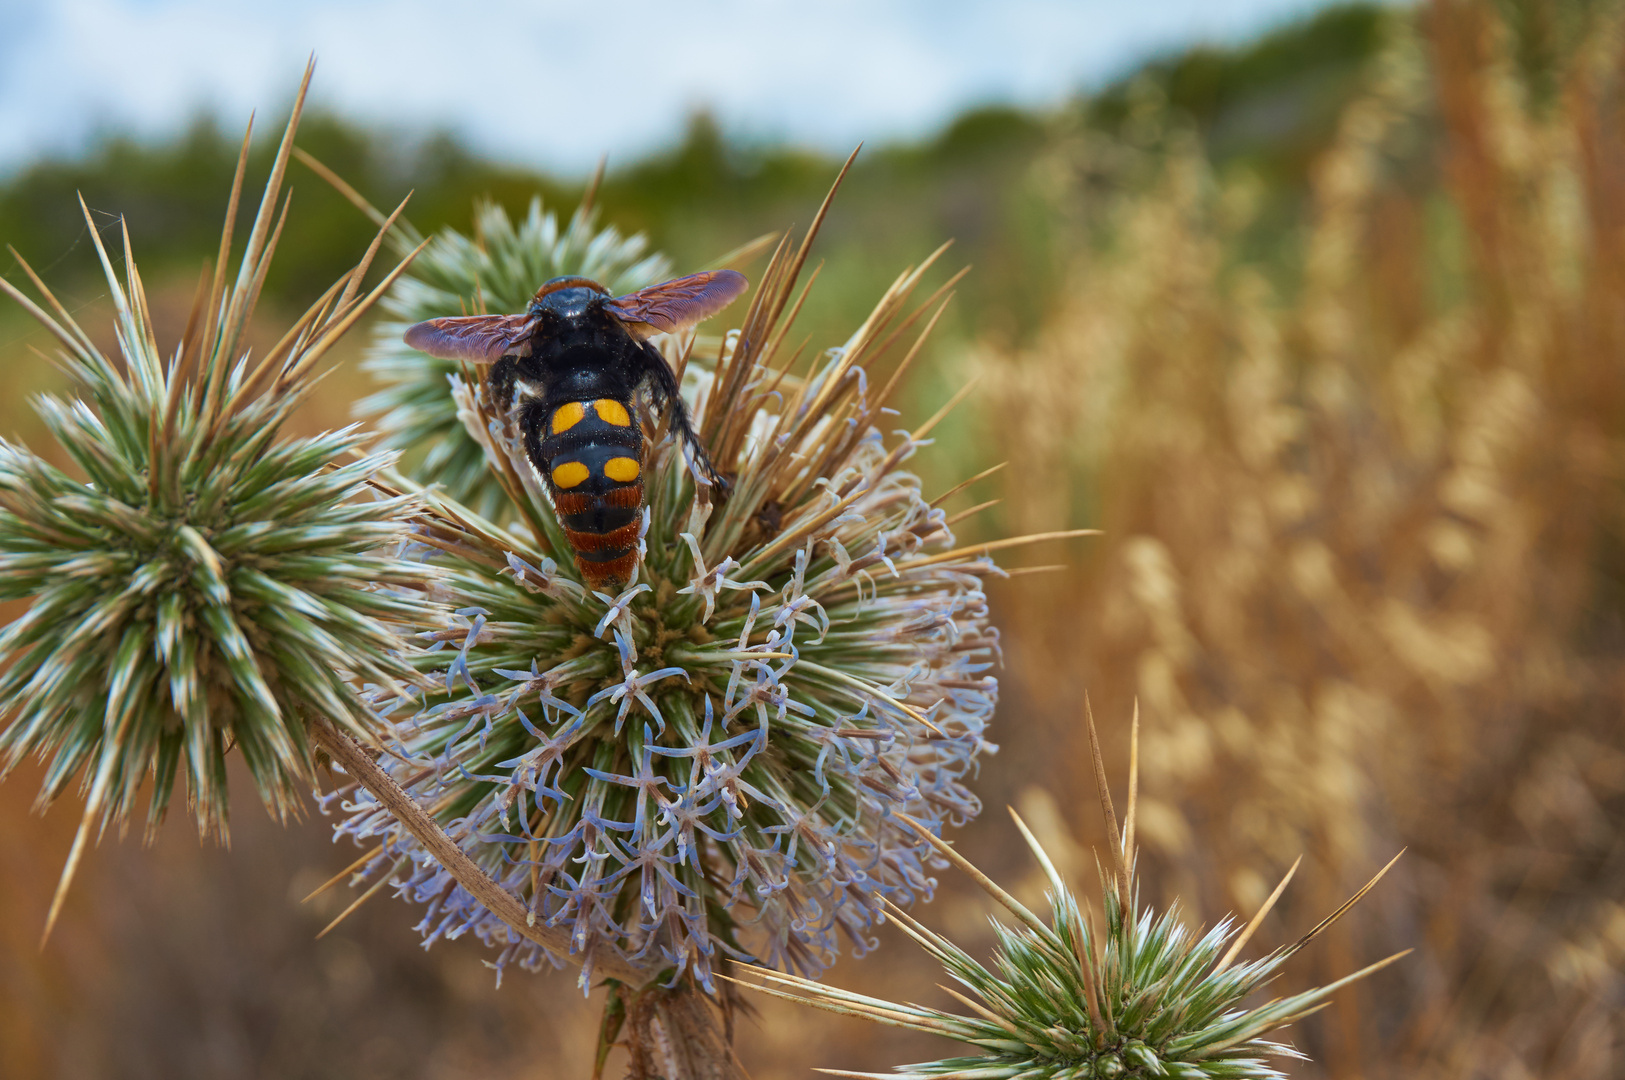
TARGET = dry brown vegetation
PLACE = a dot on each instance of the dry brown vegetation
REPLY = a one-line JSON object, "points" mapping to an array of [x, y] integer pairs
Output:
{"points": [[1362, 554]]}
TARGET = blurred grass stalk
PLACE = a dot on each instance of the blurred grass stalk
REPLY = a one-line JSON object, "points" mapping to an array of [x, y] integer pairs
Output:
{"points": [[1362, 501]]}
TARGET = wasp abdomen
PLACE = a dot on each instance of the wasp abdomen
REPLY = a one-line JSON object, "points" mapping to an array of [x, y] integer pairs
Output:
{"points": [[593, 455]]}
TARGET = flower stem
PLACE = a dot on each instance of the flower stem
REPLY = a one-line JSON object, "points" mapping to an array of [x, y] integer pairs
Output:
{"points": [[679, 1034]]}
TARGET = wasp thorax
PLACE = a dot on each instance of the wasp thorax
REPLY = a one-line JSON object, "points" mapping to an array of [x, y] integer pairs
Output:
{"points": [[573, 302]]}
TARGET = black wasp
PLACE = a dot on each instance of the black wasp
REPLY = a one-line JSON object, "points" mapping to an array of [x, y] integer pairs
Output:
{"points": [[572, 366]]}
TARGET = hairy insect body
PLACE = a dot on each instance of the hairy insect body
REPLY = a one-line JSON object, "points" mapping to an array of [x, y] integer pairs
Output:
{"points": [[567, 374]]}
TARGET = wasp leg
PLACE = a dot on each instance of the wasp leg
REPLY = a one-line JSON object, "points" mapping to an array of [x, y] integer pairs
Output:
{"points": [[663, 387], [502, 384], [502, 393]]}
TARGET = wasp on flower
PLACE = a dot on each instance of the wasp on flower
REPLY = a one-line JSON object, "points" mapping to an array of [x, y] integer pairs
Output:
{"points": [[709, 763], [564, 374]]}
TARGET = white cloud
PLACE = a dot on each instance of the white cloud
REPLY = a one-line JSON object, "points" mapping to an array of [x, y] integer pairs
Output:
{"points": [[560, 83]]}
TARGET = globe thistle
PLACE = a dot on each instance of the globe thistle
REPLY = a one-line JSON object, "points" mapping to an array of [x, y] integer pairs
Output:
{"points": [[209, 585], [497, 269], [711, 764], [1136, 995]]}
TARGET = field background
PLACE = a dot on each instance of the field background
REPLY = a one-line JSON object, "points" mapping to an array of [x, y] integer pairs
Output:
{"points": [[1326, 332]]}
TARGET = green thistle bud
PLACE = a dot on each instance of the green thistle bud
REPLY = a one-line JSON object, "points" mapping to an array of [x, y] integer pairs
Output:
{"points": [[209, 585], [1139, 995]]}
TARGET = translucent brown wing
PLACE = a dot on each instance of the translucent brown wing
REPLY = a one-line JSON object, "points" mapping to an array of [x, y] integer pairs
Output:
{"points": [[672, 305], [479, 339]]}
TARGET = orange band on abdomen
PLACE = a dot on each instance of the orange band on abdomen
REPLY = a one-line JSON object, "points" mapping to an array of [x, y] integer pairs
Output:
{"points": [[614, 540]]}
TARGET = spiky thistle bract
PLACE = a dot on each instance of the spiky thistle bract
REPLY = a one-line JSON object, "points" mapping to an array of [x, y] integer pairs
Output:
{"points": [[1137, 994], [710, 764], [209, 585], [495, 270]]}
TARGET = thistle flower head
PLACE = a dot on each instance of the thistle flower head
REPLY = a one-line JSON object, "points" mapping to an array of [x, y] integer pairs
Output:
{"points": [[1136, 994], [209, 585], [495, 270], [710, 764]]}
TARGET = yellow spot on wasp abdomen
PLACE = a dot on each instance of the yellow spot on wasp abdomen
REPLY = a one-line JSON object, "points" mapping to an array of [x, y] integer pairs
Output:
{"points": [[622, 470], [567, 416], [611, 411], [570, 474]]}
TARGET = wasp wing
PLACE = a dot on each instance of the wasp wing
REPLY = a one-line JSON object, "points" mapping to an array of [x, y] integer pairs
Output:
{"points": [[479, 339], [673, 305]]}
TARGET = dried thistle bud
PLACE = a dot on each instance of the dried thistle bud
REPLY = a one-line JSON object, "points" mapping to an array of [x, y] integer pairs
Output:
{"points": [[209, 585], [496, 270], [1137, 994], [710, 764]]}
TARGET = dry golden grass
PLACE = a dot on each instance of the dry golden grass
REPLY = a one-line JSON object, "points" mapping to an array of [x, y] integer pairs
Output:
{"points": [[1363, 541]]}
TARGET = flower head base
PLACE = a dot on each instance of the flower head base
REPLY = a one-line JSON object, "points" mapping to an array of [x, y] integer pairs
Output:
{"points": [[212, 586], [1139, 996], [711, 763], [496, 270]]}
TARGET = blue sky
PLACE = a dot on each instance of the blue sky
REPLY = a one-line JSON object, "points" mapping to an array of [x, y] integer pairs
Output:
{"points": [[559, 84]]}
